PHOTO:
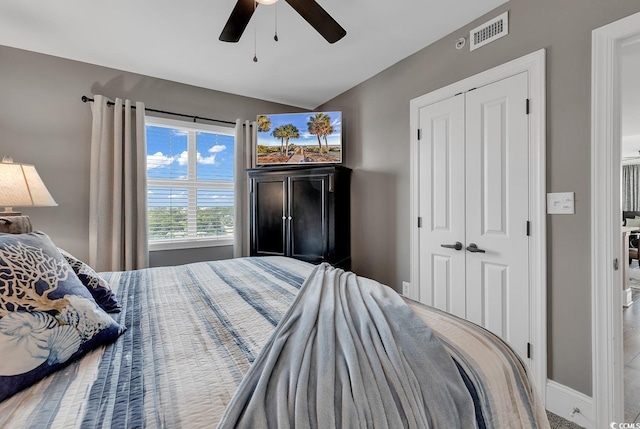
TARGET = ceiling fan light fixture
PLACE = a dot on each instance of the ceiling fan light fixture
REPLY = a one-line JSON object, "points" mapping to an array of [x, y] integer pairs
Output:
{"points": [[309, 10]]}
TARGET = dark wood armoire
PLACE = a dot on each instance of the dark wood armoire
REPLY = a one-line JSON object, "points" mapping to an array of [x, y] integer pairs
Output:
{"points": [[301, 212]]}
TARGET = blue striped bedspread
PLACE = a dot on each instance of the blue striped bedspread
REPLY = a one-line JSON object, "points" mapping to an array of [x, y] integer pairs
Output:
{"points": [[193, 332], [504, 393]]}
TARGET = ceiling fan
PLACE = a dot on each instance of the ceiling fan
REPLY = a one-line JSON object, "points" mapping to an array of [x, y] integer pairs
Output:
{"points": [[311, 11]]}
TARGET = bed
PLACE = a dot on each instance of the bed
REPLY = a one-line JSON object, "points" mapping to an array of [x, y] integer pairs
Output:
{"points": [[194, 331]]}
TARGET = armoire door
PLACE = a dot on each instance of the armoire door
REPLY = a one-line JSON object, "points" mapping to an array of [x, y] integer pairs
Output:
{"points": [[269, 232], [308, 217], [473, 190]]}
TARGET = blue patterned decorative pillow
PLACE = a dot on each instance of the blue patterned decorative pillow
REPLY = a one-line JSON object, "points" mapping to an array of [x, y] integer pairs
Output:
{"points": [[47, 316], [96, 285]]}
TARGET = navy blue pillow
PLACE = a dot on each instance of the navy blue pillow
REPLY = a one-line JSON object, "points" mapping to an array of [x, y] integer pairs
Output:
{"points": [[96, 285], [47, 316]]}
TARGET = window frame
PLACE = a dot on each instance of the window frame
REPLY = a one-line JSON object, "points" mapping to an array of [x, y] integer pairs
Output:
{"points": [[191, 184]]}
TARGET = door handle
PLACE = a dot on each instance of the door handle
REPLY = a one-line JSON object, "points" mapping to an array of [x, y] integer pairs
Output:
{"points": [[473, 248], [456, 246]]}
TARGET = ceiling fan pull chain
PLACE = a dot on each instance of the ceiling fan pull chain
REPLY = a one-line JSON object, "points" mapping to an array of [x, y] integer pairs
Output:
{"points": [[255, 38], [275, 37]]}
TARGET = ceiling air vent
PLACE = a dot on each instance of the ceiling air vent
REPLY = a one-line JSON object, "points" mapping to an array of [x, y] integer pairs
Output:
{"points": [[489, 31]]}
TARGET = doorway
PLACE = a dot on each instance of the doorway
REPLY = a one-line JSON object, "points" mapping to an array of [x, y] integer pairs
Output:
{"points": [[607, 296], [630, 150]]}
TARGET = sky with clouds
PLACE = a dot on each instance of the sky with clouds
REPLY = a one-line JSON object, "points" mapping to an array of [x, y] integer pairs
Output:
{"points": [[300, 121], [167, 158]]}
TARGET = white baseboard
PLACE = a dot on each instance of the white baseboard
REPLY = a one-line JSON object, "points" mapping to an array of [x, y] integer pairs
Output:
{"points": [[570, 404]]}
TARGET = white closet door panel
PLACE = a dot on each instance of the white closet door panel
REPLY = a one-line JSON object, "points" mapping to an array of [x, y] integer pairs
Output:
{"points": [[497, 203], [492, 292], [493, 167], [441, 194], [441, 281]]}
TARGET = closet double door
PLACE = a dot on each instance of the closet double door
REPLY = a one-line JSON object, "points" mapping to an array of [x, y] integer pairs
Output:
{"points": [[474, 207]]}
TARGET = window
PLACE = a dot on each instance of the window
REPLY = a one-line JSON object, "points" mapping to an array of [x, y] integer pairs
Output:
{"points": [[189, 184]]}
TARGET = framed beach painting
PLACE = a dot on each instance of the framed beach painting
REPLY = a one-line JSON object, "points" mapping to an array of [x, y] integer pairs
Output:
{"points": [[299, 138]]}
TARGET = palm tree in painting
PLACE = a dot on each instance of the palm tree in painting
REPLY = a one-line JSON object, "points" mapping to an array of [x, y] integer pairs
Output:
{"points": [[264, 123], [279, 133], [328, 129], [290, 132], [320, 126], [314, 126]]}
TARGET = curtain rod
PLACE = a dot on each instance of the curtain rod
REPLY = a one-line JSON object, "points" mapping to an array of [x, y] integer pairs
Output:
{"points": [[86, 99]]}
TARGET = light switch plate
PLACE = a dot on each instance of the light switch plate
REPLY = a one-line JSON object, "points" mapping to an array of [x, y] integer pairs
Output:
{"points": [[560, 203]]}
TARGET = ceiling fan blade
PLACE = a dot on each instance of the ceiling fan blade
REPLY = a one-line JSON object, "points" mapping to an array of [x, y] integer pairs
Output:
{"points": [[319, 19], [238, 20]]}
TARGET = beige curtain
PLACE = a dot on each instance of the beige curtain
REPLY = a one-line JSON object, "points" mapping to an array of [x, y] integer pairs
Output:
{"points": [[246, 134], [118, 187]]}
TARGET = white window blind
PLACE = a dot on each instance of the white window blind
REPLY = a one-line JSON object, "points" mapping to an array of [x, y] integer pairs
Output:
{"points": [[189, 184]]}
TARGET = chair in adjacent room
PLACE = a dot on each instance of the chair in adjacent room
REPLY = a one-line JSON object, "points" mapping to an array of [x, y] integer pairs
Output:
{"points": [[634, 238]]}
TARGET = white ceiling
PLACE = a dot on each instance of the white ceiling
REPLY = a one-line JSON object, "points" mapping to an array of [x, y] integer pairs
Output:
{"points": [[178, 41]]}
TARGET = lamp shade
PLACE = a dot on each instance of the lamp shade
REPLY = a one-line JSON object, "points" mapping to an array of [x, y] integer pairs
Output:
{"points": [[21, 186]]}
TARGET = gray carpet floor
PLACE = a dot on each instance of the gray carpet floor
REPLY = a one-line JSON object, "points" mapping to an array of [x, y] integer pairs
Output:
{"points": [[557, 422]]}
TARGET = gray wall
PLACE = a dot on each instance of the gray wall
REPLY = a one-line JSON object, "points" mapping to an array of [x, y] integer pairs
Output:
{"points": [[376, 123], [44, 122]]}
